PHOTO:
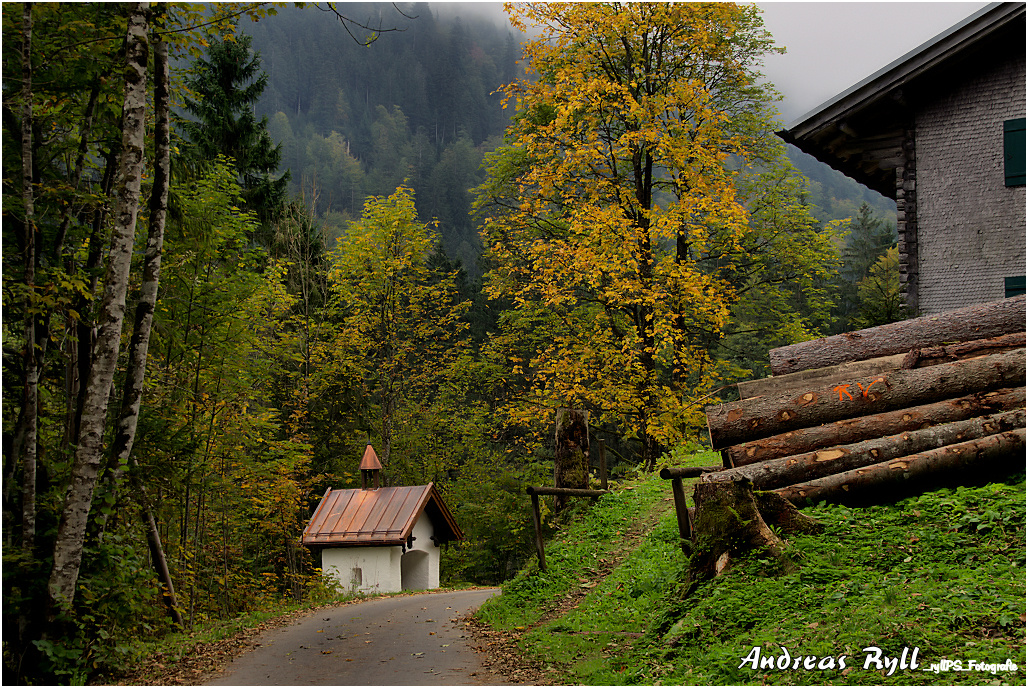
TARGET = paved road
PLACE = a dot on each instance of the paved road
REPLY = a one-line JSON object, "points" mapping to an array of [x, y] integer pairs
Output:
{"points": [[397, 641]]}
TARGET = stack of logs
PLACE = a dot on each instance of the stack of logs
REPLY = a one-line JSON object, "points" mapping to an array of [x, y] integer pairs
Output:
{"points": [[852, 413], [854, 417]]}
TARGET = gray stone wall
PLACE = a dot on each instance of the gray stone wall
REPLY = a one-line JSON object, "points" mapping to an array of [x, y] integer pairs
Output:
{"points": [[970, 226]]}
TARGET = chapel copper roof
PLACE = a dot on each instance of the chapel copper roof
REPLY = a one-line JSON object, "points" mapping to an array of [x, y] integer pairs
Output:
{"points": [[386, 516]]}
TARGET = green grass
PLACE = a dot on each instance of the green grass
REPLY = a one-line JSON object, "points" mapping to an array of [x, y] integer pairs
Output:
{"points": [[943, 572]]}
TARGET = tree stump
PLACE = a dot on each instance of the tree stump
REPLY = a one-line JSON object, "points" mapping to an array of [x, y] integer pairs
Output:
{"points": [[732, 521], [571, 455]]}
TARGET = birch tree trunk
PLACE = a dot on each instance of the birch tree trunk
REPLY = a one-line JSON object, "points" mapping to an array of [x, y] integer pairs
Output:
{"points": [[136, 370], [135, 374], [30, 415], [85, 467]]}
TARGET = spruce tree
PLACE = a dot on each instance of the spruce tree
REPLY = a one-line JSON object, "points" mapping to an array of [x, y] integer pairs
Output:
{"points": [[868, 240], [224, 88]]}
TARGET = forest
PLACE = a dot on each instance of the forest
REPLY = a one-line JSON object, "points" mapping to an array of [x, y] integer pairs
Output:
{"points": [[241, 242]]}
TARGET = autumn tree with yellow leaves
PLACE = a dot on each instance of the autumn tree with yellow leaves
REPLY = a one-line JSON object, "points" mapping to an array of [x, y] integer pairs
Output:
{"points": [[615, 217]]}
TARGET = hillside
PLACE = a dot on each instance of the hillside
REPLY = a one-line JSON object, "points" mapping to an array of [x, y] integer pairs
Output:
{"points": [[420, 104], [942, 573]]}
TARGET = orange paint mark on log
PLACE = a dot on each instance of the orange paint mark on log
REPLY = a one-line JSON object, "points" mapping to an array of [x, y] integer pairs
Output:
{"points": [[829, 454], [843, 389], [873, 383]]}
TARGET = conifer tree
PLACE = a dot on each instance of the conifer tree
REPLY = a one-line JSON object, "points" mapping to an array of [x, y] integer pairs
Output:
{"points": [[225, 87]]}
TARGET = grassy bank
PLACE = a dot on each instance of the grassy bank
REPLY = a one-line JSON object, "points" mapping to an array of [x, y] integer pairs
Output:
{"points": [[942, 573]]}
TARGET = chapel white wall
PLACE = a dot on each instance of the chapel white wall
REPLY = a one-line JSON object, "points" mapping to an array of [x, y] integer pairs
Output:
{"points": [[379, 568]]}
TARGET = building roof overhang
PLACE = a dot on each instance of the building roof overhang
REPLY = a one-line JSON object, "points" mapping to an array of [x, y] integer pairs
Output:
{"points": [[861, 131]]}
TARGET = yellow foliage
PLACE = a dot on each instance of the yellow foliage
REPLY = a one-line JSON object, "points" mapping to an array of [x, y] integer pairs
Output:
{"points": [[615, 194]]}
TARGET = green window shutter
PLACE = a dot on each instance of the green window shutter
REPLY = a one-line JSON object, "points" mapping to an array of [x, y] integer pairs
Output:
{"points": [[1014, 286], [1013, 151]]}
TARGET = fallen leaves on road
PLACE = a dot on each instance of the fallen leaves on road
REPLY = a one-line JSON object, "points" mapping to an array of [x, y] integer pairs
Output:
{"points": [[500, 654], [194, 666]]}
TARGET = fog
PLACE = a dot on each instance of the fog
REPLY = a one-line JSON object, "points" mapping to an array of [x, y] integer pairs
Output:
{"points": [[479, 10], [830, 45]]}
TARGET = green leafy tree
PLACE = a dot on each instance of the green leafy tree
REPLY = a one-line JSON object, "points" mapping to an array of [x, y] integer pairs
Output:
{"points": [[78, 102], [395, 318], [617, 217], [231, 472], [881, 301], [868, 240], [783, 272]]}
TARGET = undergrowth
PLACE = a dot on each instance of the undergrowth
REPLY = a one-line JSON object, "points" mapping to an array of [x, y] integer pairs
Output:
{"points": [[169, 657], [942, 573]]}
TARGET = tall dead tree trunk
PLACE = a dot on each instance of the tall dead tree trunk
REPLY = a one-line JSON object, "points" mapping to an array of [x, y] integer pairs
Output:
{"points": [[571, 454], [854, 430], [790, 470], [85, 467], [962, 325], [995, 451], [29, 415], [750, 419]]}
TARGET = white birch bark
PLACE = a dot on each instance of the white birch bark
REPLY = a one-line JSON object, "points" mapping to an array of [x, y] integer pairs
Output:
{"points": [[86, 465], [132, 398]]}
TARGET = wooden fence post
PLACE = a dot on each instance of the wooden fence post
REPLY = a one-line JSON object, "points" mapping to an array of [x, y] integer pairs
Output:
{"points": [[537, 520], [682, 513]]}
